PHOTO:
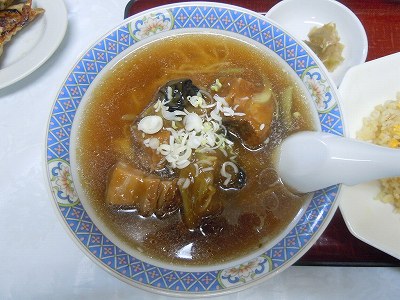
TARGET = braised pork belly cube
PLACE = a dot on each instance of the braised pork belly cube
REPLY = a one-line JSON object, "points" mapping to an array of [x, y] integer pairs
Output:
{"points": [[258, 105], [132, 188], [168, 197]]}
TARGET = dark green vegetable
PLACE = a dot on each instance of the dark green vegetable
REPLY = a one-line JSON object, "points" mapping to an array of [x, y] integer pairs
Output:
{"points": [[197, 199], [181, 89]]}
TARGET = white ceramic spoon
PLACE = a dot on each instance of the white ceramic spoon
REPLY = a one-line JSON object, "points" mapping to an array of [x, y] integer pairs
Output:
{"points": [[309, 161]]}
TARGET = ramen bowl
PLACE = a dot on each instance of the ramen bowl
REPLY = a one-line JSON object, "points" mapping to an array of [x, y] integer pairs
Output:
{"points": [[96, 240]]}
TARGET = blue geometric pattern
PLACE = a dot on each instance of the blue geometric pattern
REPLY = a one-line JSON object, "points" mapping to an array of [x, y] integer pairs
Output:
{"points": [[301, 234], [76, 85], [85, 71], [331, 121]]}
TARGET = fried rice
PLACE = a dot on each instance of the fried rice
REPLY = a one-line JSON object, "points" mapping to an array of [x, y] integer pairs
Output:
{"points": [[382, 127]]}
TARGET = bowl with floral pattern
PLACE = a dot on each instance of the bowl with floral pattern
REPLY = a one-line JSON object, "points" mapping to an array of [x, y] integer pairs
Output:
{"points": [[164, 20]]}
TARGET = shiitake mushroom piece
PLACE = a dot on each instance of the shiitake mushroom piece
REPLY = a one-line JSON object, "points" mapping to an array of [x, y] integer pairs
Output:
{"points": [[181, 89]]}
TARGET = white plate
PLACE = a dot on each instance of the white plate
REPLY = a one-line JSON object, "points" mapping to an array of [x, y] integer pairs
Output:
{"points": [[34, 44], [364, 87], [299, 16]]}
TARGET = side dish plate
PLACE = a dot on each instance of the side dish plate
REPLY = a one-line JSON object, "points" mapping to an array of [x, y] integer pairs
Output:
{"points": [[364, 87], [34, 44], [299, 16], [205, 16]]}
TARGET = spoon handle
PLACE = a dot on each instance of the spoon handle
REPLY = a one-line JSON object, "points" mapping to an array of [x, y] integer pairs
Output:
{"points": [[309, 161]]}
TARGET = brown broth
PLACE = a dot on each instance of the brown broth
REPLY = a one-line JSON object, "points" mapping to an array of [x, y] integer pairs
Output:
{"points": [[252, 216]]}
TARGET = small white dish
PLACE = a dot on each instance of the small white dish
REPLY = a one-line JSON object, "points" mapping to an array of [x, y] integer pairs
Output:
{"points": [[34, 45], [299, 16], [364, 87]]}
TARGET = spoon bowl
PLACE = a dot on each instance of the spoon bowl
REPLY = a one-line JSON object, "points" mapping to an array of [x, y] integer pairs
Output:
{"points": [[310, 161]]}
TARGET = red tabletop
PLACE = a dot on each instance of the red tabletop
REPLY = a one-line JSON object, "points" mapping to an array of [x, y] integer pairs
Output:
{"points": [[381, 20]]}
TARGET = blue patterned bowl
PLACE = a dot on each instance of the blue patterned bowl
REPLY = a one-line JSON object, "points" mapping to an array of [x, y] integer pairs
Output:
{"points": [[205, 16]]}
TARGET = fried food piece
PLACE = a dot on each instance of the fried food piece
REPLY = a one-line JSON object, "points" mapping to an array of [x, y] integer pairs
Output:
{"points": [[14, 18]]}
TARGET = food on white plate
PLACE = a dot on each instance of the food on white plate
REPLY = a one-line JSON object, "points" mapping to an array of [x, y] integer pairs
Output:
{"points": [[382, 127], [14, 18], [175, 148], [324, 41]]}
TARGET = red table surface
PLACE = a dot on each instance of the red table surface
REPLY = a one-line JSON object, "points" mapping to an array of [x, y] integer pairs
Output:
{"points": [[381, 20]]}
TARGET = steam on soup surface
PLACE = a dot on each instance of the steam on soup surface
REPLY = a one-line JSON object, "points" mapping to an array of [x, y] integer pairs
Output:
{"points": [[175, 150]]}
